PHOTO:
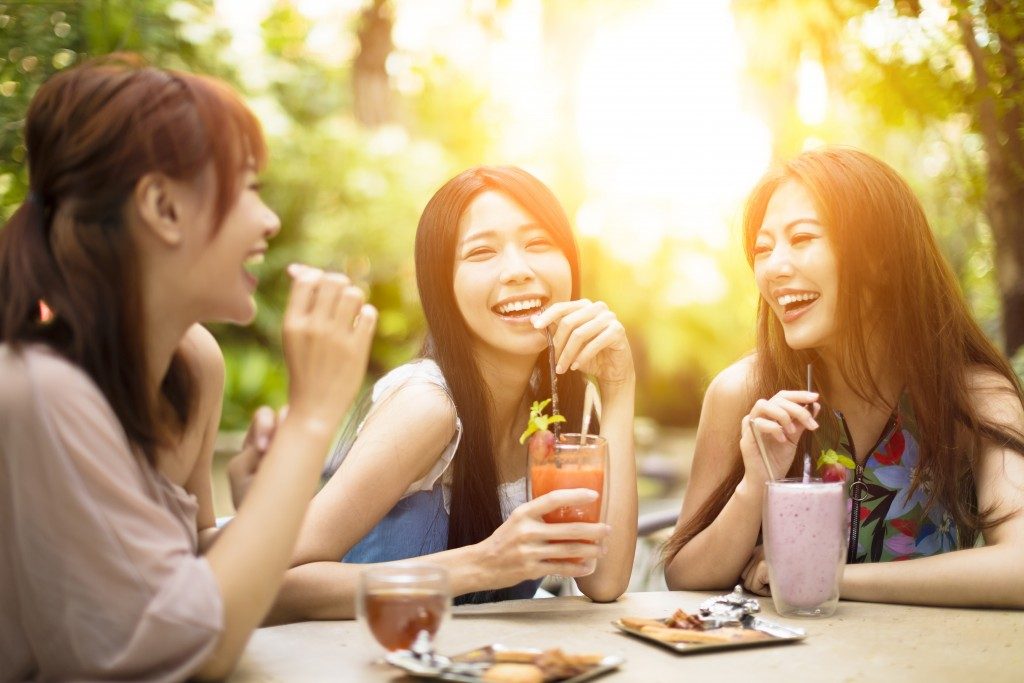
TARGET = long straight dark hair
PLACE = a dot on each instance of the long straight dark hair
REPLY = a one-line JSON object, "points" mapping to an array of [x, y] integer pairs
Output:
{"points": [[475, 510], [887, 259], [92, 132]]}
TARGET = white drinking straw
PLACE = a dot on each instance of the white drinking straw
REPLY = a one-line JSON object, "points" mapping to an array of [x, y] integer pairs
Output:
{"points": [[590, 397], [806, 437], [761, 448]]}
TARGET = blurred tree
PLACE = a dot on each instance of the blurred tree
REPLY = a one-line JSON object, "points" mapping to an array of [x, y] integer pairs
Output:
{"points": [[993, 33], [40, 38], [940, 64], [348, 184], [349, 180], [371, 90]]}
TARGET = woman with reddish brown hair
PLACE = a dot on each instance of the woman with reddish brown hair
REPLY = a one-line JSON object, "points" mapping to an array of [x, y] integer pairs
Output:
{"points": [[852, 282], [142, 220]]}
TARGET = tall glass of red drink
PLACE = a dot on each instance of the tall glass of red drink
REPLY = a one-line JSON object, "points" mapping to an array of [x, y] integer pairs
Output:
{"points": [[576, 462]]}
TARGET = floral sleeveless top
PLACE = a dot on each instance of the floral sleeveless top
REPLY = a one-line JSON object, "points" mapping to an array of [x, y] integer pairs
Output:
{"points": [[890, 522]]}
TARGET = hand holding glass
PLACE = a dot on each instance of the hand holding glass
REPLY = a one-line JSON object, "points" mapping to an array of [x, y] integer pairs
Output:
{"points": [[578, 462]]}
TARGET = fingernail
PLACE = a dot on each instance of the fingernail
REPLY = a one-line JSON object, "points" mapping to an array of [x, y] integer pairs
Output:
{"points": [[604, 550], [534, 319], [574, 366], [592, 494], [261, 442], [814, 423], [607, 528], [294, 269], [558, 369]]}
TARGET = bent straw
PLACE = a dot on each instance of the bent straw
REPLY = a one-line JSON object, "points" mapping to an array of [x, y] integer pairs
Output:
{"points": [[763, 451], [589, 398]]}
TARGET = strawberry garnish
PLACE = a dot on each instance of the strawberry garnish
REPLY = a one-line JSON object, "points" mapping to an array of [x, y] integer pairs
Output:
{"points": [[834, 466], [542, 442]]}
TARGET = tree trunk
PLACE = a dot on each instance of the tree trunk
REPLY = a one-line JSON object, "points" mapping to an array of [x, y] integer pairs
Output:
{"points": [[999, 89], [371, 90]]}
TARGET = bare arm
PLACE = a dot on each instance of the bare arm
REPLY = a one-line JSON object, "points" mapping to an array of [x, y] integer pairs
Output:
{"points": [[327, 334], [519, 549], [611, 577], [589, 337], [988, 576], [399, 443], [715, 557], [206, 363], [382, 463]]}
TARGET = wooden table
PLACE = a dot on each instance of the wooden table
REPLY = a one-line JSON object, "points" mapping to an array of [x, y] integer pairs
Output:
{"points": [[861, 642]]}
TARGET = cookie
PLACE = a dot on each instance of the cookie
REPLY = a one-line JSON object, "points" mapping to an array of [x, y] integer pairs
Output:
{"points": [[728, 634], [513, 673]]}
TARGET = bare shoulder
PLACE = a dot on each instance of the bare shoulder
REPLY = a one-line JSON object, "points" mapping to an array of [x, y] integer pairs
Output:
{"points": [[732, 389], [995, 396], [728, 398], [415, 407], [205, 362], [419, 406], [201, 351]]}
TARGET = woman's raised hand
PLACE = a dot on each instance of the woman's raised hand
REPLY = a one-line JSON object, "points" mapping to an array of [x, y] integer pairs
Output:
{"points": [[755, 574], [243, 465], [781, 420], [328, 329], [522, 547], [589, 337]]}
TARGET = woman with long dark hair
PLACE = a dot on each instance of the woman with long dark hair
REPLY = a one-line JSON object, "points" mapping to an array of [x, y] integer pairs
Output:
{"points": [[142, 220], [908, 390], [437, 469]]}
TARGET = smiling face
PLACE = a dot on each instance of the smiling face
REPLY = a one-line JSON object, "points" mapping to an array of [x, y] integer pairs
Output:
{"points": [[507, 268], [218, 258], [795, 268]]}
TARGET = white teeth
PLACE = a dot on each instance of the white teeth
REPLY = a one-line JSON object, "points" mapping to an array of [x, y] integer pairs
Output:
{"points": [[787, 299], [254, 260], [518, 306]]}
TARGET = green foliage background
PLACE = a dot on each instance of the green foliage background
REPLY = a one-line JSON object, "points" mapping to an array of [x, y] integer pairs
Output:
{"points": [[349, 196]]}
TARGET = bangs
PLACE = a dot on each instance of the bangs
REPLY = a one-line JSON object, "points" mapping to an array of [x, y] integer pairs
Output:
{"points": [[534, 197], [233, 136]]}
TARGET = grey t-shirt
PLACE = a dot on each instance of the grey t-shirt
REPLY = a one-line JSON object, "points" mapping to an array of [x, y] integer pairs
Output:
{"points": [[99, 572]]}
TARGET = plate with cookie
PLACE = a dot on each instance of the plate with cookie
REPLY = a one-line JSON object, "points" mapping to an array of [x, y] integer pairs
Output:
{"points": [[688, 633], [499, 664]]}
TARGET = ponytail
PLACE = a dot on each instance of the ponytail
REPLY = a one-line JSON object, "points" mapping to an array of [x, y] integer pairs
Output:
{"points": [[92, 132]]}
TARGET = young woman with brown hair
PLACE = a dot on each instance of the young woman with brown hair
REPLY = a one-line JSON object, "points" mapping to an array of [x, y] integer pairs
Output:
{"points": [[437, 470], [143, 216], [908, 388]]}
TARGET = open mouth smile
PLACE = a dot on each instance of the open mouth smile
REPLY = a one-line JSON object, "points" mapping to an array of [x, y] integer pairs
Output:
{"points": [[795, 304], [519, 308], [252, 263]]}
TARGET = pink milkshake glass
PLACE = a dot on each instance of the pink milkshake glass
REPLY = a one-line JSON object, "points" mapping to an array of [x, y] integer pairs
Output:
{"points": [[804, 533]]}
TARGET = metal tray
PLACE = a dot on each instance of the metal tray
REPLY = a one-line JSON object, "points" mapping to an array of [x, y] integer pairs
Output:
{"points": [[416, 667], [778, 633]]}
